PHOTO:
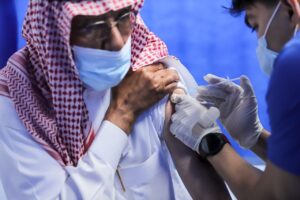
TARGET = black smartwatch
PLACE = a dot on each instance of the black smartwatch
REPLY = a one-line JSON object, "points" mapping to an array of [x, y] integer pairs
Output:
{"points": [[211, 144]]}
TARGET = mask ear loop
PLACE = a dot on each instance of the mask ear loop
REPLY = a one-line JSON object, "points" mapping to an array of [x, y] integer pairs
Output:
{"points": [[271, 19], [296, 29]]}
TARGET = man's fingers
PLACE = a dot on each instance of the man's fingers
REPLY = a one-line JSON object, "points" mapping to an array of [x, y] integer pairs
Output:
{"points": [[154, 67], [176, 98], [167, 75], [171, 87], [166, 80], [171, 79]]}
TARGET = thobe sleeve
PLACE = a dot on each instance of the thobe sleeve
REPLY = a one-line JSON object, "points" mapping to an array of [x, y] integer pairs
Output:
{"points": [[28, 172]]}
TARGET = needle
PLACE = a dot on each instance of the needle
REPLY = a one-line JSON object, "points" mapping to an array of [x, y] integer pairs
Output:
{"points": [[226, 80], [193, 91]]}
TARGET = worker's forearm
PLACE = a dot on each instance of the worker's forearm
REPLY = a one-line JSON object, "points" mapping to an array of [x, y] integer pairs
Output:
{"points": [[260, 148], [239, 175]]}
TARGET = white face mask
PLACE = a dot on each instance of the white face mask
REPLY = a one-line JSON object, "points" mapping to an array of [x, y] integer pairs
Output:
{"points": [[266, 57], [100, 69]]}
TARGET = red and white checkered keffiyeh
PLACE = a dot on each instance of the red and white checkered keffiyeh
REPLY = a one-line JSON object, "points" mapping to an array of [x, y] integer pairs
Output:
{"points": [[42, 80]]}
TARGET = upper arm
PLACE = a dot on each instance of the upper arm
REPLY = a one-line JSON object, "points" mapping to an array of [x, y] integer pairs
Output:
{"points": [[276, 183], [197, 174]]}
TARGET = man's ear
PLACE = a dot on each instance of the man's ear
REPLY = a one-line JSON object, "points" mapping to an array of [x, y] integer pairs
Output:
{"points": [[295, 4]]}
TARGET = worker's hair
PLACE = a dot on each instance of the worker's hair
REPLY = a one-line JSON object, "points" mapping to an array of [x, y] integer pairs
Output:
{"points": [[238, 6]]}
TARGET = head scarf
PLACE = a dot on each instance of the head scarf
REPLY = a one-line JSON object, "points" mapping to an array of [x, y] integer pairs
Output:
{"points": [[42, 80]]}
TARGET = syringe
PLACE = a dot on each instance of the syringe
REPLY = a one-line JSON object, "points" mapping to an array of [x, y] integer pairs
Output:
{"points": [[193, 91], [226, 80]]}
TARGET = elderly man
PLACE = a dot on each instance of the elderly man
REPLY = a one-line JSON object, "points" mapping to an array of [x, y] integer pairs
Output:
{"points": [[78, 123]]}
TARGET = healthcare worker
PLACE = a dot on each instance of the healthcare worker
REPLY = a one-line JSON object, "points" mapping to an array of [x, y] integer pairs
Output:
{"points": [[193, 123], [266, 18]]}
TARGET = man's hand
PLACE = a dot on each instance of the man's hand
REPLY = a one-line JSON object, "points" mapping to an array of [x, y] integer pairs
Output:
{"points": [[238, 107], [192, 121], [139, 91]]}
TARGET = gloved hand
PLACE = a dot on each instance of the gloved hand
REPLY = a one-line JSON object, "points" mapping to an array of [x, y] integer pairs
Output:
{"points": [[238, 107], [192, 121]]}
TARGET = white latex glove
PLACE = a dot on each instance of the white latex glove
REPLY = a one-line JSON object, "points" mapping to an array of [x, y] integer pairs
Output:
{"points": [[192, 121], [238, 107]]}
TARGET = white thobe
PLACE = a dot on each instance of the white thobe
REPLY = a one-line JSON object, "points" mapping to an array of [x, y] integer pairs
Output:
{"points": [[146, 169], [142, 159]]}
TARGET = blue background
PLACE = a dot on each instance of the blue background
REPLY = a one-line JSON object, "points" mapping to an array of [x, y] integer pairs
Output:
{"points": [[12, 13], [201, 33]]}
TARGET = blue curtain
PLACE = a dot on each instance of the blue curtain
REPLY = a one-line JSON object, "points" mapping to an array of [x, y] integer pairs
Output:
{"points": [[8, 30], [207, 39], [21, 7], [12, 14]]}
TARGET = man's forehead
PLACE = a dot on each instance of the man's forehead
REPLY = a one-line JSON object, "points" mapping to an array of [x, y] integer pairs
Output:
{"points": [[113, 14]]}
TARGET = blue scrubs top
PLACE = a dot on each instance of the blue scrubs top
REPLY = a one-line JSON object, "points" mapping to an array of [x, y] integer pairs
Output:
{"points": [[283, 99]]}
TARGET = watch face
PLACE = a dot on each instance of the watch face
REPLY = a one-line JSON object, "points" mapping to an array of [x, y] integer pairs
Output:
{"points": [[211, 144]]}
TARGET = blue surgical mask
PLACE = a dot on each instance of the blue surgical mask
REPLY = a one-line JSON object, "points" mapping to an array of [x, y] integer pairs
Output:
{"points": [[266, 57], [101, 69]]}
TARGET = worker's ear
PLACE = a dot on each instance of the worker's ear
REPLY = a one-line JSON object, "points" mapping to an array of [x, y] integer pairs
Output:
{"points": [[295, 4]]}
